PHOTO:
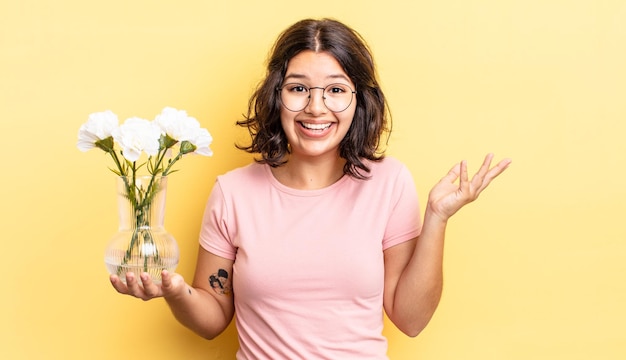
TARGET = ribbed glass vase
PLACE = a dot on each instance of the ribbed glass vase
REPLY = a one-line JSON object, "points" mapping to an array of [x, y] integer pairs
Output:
{"points": [[141, 243]]}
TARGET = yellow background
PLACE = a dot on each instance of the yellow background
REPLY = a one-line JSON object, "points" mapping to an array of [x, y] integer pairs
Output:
{"points": [[534, 270]]}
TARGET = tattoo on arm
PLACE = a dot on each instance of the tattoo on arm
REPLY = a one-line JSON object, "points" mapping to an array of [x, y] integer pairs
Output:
{"points": [[220, 282]]}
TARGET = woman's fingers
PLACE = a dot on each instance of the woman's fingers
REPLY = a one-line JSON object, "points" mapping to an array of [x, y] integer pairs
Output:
{"points": [[492, 173], [447, 197], [166, 279], [118, 284], [142, 288], [486, 174], [150, 289]]}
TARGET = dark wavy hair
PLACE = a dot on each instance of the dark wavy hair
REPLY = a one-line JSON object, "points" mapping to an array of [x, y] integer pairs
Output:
{"points": [[371, 118]]}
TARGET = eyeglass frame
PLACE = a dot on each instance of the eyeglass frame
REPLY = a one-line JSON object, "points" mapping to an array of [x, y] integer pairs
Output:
{"points": [[280, 89]]}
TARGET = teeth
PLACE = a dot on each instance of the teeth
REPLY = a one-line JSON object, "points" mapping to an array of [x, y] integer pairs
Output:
{"points": [[316, 126]]}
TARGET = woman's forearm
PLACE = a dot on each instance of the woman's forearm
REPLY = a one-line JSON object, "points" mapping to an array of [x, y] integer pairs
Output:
{"points": [[420, 286], [199, 311]]}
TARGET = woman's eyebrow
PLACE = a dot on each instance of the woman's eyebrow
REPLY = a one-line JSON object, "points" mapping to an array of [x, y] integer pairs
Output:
{"points": [[338, 76], [296, 76]]}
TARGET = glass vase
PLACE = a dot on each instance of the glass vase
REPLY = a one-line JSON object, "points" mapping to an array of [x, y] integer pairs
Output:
{"points": [[141, 243]]}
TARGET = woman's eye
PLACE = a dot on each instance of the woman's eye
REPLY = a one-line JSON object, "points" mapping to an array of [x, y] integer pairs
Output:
{"points": [[297, 88], [337, 89]]}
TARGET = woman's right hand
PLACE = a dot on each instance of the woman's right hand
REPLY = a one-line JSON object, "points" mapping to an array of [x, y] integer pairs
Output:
{"points": [[171, 285], [204, 307]]}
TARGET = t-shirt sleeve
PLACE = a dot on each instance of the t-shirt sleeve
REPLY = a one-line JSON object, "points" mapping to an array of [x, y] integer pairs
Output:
{"points": [[404, 222], [215, 236]]}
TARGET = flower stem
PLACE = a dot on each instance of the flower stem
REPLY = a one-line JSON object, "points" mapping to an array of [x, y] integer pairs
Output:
{"points": [[169, 166]]}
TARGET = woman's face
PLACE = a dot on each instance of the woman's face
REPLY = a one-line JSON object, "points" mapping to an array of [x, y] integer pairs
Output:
{"points": [[315, 130]]}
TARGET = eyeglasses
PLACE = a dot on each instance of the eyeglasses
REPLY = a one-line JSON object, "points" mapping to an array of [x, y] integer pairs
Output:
{"points": [[295, 97]]}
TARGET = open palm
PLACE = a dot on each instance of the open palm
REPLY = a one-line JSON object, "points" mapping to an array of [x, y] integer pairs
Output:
{"points": [[448, 196]]}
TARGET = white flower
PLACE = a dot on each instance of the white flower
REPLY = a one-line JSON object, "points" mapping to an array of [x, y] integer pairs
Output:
{"points": [[183, 128], [137, 135], [177, 124], [98, 127], [201, 140]]}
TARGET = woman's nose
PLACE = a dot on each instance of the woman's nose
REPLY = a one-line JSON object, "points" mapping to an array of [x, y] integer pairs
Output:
{"points": [[316, 103]]}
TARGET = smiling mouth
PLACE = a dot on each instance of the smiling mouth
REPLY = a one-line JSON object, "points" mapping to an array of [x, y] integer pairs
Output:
{"points": [[315, 127]]}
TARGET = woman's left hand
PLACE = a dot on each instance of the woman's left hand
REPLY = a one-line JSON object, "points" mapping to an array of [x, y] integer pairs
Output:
{"points": [[446, 197]]}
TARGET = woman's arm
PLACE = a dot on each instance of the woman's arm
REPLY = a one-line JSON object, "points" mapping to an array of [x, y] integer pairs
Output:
{"points": [[206, 307], [414, 270]]}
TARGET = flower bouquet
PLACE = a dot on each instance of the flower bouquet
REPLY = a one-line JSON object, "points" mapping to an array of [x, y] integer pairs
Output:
{"points": [[142, 244]]}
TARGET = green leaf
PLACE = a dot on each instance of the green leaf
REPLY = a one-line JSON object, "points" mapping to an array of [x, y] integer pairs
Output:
{"points": [[115, 172]]}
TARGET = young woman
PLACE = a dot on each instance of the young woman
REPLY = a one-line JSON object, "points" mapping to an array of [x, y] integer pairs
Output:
{"points": [[309, 244]]}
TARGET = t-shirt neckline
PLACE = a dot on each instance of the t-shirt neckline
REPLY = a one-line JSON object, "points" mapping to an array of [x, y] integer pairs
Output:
{"points": [[298, 192]]}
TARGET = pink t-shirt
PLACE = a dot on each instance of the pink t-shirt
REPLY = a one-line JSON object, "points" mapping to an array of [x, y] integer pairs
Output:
{"points": [[308, 274]]}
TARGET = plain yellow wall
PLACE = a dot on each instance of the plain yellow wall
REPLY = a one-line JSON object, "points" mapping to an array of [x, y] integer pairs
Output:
{"points": [[534, 270]]}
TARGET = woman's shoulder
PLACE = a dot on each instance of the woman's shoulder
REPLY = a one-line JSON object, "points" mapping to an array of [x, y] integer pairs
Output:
{"points": [[249, 172], [247, 176], [387, 171], [387, 165]]}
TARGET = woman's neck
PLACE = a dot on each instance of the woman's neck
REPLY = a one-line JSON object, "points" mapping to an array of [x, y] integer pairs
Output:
{"points": [[310, 174]]}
